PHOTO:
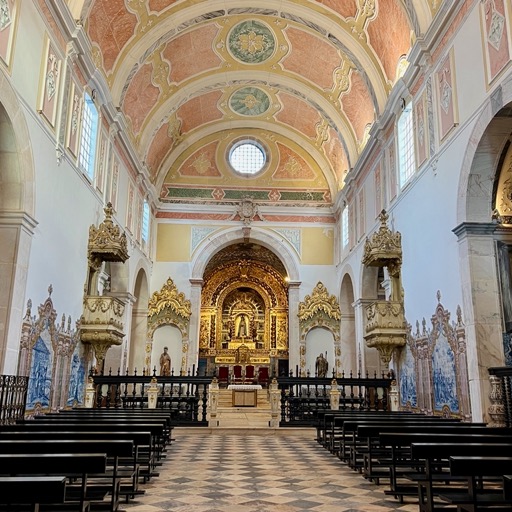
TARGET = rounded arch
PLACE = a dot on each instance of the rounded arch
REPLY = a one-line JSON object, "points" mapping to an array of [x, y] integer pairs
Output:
{"points": [[17, 209], [348, 340], [138, 331], [217, 241], [17, 193], [480, 163]]}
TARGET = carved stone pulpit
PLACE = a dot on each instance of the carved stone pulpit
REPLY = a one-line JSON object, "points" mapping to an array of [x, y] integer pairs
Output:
{"points": [[101, 324], [385, 327]]}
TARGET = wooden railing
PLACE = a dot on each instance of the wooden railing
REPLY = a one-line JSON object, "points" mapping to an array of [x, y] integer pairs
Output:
{"points": [[302, 397], [184, 395], [13, 398]]}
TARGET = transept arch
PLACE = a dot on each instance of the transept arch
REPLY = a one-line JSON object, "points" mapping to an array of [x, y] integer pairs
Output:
{"points": [[17, 210], [477, 233]]}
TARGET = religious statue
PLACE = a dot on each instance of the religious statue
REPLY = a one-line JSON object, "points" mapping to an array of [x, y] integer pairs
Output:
{"points": [[321, 366], [242, 326], [165, 363]]}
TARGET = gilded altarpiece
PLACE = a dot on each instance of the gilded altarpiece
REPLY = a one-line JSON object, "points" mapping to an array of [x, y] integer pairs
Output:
{"points": [[320, 310], [244, 314], [432, 369], [52, 355], [168, 306]]}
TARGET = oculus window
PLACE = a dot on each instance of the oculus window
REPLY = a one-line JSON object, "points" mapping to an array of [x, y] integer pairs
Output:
{"points": [[247, 157]]}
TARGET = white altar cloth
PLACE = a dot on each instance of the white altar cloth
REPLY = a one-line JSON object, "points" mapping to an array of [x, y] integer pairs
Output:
{"points": [[244, 387]]}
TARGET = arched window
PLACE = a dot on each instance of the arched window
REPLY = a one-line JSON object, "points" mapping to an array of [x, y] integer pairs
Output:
{"points": [[405, 138], [88, 137], [344, 228], [145, 224]]}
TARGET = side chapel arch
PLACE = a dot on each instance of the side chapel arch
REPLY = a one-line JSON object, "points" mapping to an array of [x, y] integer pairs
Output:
{"points": [[168, 307], [320, 310]]}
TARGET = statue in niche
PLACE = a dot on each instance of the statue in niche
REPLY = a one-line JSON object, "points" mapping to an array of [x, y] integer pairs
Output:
{"points": [[165, 363], [321, 366], [243, 326]]}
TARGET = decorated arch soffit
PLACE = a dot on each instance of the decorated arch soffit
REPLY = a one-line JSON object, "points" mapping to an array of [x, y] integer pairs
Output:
{"points": [[169, 307], [320, 310], [311, 74]]}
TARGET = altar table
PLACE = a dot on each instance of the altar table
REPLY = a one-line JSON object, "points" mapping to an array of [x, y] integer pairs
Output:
{"points": [[245, 395]]}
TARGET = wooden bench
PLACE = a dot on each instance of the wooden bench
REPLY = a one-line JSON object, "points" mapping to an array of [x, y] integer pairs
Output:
{"points": [[127, 465], [16, 491], [400, 463], [436, 457], [474, 468], [59, 464], [156, 429], [114, 449]]}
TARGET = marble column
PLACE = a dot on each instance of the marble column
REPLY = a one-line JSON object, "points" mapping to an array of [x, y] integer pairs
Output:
{"points": [[16, 230], [195, 318], [293, 325], [482, 311], [369, 356]]}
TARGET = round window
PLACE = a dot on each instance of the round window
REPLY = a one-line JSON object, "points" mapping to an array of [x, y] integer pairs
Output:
{"points": [[247, 157]]}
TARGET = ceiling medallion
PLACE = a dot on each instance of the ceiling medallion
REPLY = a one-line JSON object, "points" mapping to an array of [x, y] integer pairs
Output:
{"points": [[249, 101], [251, 42]]}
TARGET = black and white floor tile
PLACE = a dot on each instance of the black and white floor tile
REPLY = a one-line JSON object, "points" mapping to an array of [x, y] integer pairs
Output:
{"points": [[208, 472]]}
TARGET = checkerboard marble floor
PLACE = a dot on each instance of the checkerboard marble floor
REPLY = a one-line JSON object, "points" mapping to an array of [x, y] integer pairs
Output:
{"points": [[208, 472]]}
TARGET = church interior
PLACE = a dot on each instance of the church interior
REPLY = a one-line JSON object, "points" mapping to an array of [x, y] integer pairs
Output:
{"points": [[308, 188]]}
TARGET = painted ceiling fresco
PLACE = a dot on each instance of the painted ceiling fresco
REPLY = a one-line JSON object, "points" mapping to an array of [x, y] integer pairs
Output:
{"points": [[305, 79]]}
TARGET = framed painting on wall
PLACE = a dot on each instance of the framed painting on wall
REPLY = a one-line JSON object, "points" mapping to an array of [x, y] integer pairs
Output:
{"points": [[496, 42], [49, 81], [8, 18], [446, 88]]}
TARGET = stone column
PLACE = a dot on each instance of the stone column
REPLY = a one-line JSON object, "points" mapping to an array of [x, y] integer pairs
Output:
{"points": [[213, 403], [195, 318], [334, 396], [152, 394], [275, 403], [16, 230], [90, 394], [293, 324], [481, 308], [369, 357]]}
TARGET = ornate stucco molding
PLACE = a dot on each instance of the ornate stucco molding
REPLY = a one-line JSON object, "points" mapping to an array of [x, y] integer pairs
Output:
{"points": [[385, 327], [320, 310], [106, 242], [168, 306]]}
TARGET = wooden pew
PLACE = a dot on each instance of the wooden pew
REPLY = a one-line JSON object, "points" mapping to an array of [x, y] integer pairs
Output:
{"points": [[67, 464], [16, 491], [400, 464], [361, 436], [329, 428], [436, 457], [156, 427], [155, 431], [474, 468], [112, 448], [128, 466]]}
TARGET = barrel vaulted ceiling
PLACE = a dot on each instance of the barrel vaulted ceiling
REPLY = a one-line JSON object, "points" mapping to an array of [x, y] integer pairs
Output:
{"points": [[306, 79]]}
